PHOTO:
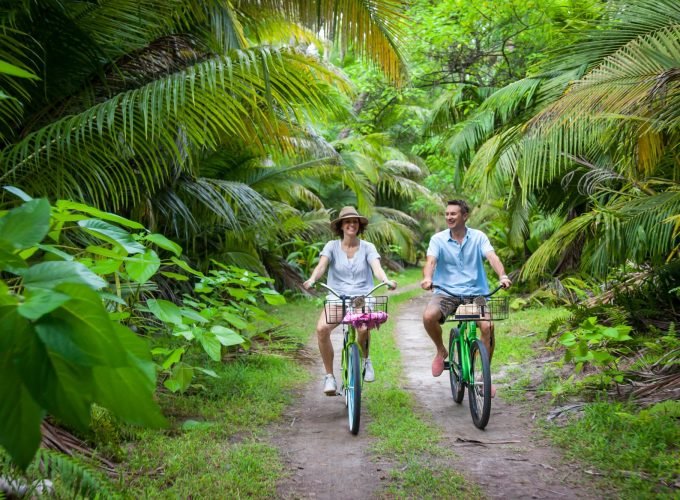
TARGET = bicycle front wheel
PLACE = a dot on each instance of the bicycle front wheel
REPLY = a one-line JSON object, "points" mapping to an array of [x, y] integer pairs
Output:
{"points": [[353, 389], [455, 368], [479, 393]]}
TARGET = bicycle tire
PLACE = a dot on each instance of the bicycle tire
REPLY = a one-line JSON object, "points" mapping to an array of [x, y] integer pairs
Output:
{"points": [[479, 392], [455, 370], [354, 388]]}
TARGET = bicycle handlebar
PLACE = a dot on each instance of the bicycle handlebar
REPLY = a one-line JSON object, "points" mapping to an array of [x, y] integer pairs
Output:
{"points": [[341, 296], [453, 295]]}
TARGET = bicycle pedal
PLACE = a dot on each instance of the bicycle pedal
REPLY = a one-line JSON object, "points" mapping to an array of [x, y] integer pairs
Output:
{"points": [[447, 365]]}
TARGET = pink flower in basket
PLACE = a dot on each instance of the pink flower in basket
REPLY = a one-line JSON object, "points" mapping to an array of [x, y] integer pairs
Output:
{"points": [[367, 319]]}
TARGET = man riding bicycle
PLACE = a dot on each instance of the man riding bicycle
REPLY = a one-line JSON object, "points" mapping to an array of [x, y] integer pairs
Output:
{"points": [[455, 264]]}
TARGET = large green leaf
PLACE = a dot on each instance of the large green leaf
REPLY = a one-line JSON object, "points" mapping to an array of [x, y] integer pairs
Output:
{"points": [[99, 214], [112, 234], [10, 261], [13, 324], [61, 387], [48, 275], [25, 225], [128, 391], [235, 320], [142, 266], [164, 243], [180, 378], [165, 310], [226, 336], [40, 301], [80, 331], [20, 416], [211, 345], [273, 297]]}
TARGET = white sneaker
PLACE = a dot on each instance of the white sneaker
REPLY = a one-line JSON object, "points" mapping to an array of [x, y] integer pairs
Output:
{"points": [[329, 385], [369, 374]]}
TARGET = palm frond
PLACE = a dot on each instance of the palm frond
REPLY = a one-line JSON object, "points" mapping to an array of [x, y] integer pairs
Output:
{"points": [[391, 227], [450, 107], [494, 165], [126, 145], [372, 28], [627, 21], [629, 228], [639, 80]]}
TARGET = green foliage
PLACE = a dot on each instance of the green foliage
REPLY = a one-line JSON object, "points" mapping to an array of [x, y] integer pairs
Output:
{"points": [[305, 255], [223, 312], [106, 433], [596, 344], [636, 450], [70, 477], [61, 351]]}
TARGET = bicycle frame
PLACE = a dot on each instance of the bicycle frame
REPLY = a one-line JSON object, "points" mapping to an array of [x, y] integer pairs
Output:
{"points": [[465, 339]]}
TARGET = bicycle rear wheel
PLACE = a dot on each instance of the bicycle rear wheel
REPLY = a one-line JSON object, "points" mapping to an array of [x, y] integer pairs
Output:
{"points": [[479, 393], [353, 389], [455, 369]]}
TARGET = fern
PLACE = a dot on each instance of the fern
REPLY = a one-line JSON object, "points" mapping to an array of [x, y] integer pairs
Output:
{"points": [[558, 324], [80, 478]]}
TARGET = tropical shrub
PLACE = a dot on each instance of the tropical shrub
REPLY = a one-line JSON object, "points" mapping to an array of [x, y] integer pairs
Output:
{"points": [[223, 312], [60, 350], [594, 343]]}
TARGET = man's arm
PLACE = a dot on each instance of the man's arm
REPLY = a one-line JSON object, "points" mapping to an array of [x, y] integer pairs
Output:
{"points": [[428, 272], [497, 266]]}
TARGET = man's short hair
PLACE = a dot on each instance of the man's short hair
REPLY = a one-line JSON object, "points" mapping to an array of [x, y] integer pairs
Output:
{"points": [[461, 203]]}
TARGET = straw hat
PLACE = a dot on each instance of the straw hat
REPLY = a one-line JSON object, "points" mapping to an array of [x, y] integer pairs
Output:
{"points": [[348, 213]]}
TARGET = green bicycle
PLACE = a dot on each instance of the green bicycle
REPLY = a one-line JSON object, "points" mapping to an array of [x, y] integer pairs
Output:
{"points": [[468, 362], [353, 312]]}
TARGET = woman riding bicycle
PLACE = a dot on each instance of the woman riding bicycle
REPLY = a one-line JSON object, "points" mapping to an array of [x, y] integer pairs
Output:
{"points": [[454, 263], [351, 264]]}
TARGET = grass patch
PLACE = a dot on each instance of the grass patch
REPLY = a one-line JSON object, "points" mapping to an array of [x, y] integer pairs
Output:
{"points": [[416, 480], [408, 275], [518, 336], [636, 450], [214, 442]]}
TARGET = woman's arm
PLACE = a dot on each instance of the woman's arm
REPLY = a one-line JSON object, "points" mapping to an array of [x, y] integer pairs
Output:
{"points": [[318, 272], [379, 273]]}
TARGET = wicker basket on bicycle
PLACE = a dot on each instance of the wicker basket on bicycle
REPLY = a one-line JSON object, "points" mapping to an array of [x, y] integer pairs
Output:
{"points": [[356, 310], [480, 309]]}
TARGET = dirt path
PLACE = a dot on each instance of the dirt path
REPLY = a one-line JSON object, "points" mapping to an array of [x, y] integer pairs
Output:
{"points": [[316, 444], [506, 460]]}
